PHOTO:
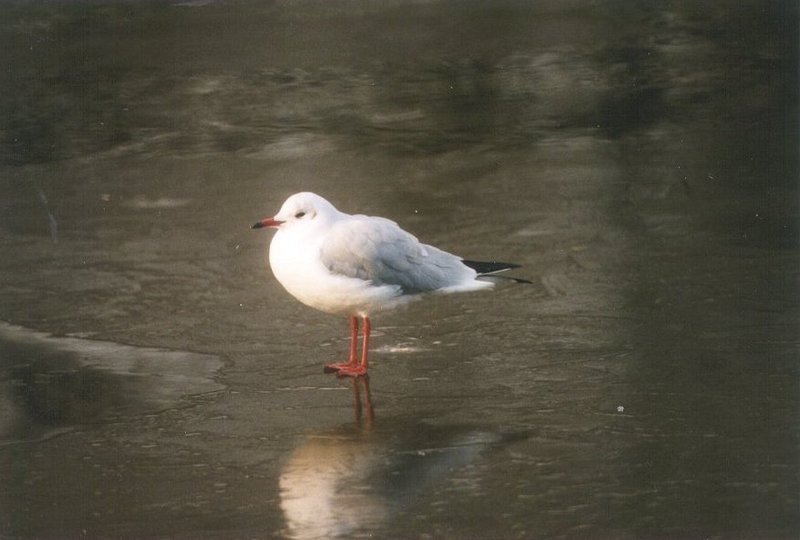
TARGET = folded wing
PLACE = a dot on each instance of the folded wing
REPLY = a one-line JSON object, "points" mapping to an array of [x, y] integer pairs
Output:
{"points": [[377, 250]]}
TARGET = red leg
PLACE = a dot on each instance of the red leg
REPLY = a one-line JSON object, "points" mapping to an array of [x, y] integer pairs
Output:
{"points": [[365, 344], [360, 369], [353, 360], [353, 341]]}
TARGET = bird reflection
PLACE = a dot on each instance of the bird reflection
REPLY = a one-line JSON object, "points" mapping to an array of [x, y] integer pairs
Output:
{"points": [[351, 480], [361, 384]]}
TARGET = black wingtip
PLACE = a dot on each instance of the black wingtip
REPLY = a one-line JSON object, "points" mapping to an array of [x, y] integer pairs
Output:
{"points": [[490, 267], [488, 270]]}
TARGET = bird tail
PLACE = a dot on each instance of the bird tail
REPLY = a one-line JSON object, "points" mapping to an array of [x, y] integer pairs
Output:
{"points": [[488, 270]]}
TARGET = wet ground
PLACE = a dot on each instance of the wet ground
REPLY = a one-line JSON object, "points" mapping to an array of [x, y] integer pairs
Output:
{"points": [[640, 162]]}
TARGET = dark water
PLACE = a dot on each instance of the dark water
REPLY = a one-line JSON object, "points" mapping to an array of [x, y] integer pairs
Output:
{"points": [[640, 161]]}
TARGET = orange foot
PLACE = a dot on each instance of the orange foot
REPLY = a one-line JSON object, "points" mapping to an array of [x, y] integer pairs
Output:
{"points": [[355, 370], [338, 366]]}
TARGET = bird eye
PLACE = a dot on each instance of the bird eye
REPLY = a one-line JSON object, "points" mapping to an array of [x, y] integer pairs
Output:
{"points": [[299, 215]]}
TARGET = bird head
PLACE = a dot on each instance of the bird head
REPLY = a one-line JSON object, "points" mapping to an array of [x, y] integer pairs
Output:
{"points": [[303, 209]]}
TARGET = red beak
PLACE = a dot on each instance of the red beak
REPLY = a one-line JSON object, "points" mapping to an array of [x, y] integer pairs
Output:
{"points": [[267, 222]]}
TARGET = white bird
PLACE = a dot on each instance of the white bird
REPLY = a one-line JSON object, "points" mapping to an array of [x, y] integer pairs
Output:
{"points": [[356, 265]]}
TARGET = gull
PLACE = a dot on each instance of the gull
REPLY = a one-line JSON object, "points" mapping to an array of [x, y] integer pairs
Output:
{"points": [[357, 265]]}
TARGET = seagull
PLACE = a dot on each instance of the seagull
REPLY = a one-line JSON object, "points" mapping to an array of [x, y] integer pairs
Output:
{"points": [[357, 265]]}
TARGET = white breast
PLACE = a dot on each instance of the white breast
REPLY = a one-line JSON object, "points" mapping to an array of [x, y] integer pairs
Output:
{"points": [[297, 266]]}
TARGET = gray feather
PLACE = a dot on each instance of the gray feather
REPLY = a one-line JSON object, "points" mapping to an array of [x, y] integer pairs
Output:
{"points": [[387, 255]]}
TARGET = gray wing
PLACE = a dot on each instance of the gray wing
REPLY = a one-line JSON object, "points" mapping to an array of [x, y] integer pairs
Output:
{"points": [[378, 250]]}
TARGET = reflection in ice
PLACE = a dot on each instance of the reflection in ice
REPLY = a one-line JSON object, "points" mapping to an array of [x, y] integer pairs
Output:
{"points": [[51, 383], [339, 482], [324, 487]]}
